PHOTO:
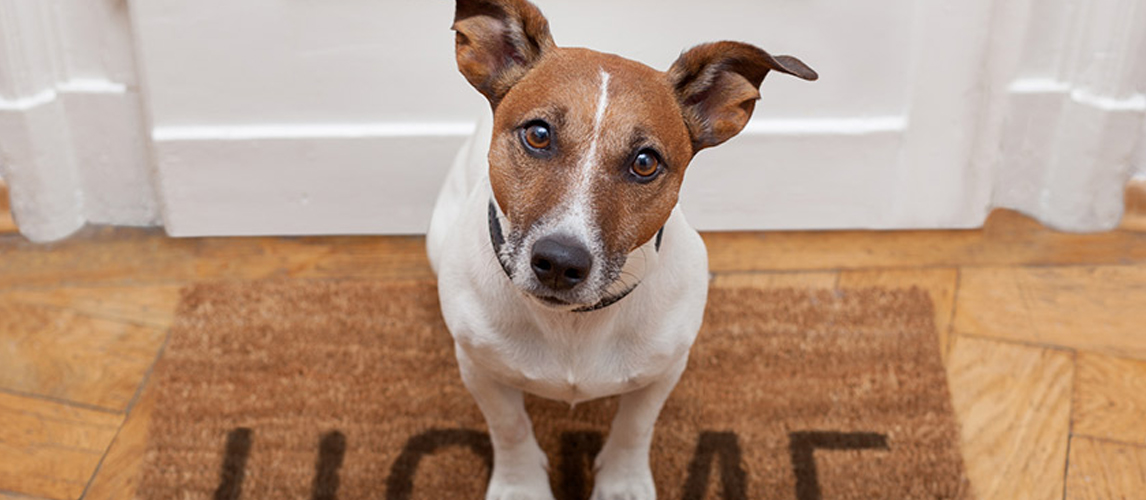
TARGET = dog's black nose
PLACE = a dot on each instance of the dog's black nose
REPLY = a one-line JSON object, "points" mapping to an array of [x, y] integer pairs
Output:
{"points": [[560, 262]]}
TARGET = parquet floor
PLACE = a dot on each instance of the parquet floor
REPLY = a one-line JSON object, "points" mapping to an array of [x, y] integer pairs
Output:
{"points": [[1043, 334]]}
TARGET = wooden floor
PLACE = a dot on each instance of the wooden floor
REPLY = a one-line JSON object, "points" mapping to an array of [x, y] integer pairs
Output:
{"points": [[1043, 334]]}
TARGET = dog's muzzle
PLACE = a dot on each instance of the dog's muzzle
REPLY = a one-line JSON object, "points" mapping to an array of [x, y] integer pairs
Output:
{"points": [[559, 263]]}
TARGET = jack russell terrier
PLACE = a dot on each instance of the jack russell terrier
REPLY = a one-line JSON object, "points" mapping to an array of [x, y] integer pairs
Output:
{"points": [[565, 267]]}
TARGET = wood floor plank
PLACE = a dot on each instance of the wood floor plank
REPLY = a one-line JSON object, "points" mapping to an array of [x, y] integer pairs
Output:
{"points": [[97, 255], [1110, 398], [102, 256], [1007, 239], [1134, 218], [152, 305], [48, 449], [12, 496], [1013, 403], [126, 255], [4, 495], [939, 283], [69, 356], [776, 280], [118, 475], [7, 224], [1088, 308], [1102, 470]]}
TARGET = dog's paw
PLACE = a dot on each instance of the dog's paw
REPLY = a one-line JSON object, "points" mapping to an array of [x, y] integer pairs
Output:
{"points": [[624, 480], [517, 492], [633, 488], [519, 484]]}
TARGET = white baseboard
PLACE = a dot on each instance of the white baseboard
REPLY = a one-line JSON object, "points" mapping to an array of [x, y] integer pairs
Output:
{"points": [[295, 185], [383, 178], [796, 181]]}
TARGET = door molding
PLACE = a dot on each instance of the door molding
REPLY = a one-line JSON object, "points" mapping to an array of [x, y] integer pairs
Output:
{"points": [[73, 148]]}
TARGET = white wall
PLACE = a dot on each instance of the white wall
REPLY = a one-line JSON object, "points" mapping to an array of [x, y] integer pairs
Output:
{"points": [[271, 117]]}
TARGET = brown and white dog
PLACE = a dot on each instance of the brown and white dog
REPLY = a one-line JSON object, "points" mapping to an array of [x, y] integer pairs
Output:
{"points": [[565, 267]]}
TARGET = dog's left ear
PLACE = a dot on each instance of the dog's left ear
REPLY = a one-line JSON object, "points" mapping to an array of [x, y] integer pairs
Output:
{"points": [[498, 42], [718, 84]]}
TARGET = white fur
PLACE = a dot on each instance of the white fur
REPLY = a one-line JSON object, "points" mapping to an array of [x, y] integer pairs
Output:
{"points": [[507, 343], [589, 164]]}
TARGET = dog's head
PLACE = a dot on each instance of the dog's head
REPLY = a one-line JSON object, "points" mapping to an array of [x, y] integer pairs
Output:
{"points": [[589, 149]]}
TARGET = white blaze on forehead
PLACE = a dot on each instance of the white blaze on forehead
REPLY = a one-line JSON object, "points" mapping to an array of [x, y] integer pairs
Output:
{"points": [[602, 103], [574, 216], [581, 194], [580, 211]]}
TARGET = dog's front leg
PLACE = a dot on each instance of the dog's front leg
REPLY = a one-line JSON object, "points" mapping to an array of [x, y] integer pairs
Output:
{"points": [[519, 465], [623, 471]]}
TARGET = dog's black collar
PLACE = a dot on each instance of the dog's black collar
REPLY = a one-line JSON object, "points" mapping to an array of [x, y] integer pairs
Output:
{"points": [[497, 239]]}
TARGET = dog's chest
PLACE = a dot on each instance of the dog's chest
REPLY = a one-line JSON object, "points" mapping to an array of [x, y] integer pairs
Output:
{"points": [[566, 368]]}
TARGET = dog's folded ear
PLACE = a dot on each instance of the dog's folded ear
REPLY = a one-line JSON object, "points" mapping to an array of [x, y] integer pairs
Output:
{"points": [[718, 84], [497, 42]]}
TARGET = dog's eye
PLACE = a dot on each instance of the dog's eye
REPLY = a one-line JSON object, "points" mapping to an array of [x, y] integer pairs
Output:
{"points": [[538, 136], [646, 165]]}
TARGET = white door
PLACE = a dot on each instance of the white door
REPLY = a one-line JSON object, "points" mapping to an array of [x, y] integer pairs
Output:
{"points": [[288, 117]]}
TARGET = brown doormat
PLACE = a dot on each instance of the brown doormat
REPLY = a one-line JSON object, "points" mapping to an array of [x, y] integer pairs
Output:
{"points": [[350, 390]]}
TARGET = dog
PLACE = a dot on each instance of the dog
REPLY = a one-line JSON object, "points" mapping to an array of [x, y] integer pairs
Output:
{"points": [[565, 267]]}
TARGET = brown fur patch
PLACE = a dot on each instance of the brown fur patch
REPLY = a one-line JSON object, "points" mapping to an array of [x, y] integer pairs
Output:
{"points": [[642, 113]]}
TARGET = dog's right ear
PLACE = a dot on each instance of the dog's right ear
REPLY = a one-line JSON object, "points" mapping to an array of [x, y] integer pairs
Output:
{"points": [[498, 41]]}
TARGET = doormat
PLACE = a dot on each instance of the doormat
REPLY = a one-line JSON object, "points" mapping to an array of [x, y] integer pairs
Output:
{"points": [[350, 390]]}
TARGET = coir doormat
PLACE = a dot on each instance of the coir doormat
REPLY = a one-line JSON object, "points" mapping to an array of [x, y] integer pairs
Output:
{"points": [[350, 391]]}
